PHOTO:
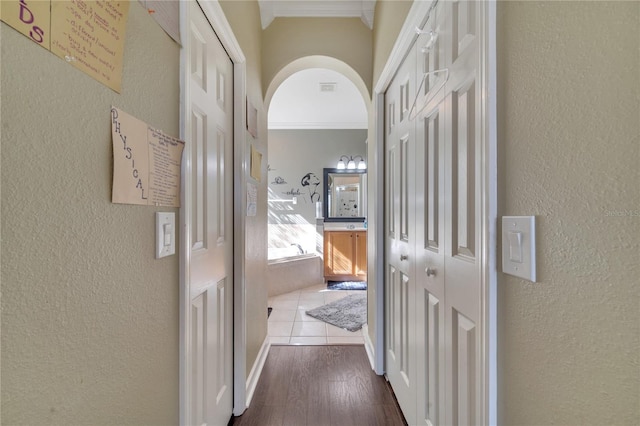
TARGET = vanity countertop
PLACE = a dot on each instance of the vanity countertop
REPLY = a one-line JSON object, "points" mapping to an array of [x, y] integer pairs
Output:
{"points": [[344, 226]]}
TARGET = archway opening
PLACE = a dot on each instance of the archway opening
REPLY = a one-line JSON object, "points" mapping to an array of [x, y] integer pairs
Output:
{"points": [[316, 115]]}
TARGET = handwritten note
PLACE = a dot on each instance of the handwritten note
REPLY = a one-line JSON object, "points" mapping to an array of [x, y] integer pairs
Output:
{"points": [[165, 156], [32, 19], [87, 34], [90, 35], [146, 163]]}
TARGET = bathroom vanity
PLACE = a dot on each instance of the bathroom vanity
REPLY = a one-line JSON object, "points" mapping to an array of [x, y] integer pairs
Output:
{"points": [[345, 252], [345, 233]]}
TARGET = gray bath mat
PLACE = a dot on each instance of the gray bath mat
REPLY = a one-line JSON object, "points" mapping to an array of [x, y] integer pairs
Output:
{"points": [[346, 285], [349, 312]]}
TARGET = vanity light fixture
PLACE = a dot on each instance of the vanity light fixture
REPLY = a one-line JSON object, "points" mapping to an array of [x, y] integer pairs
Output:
{"points": [[351, 162]]}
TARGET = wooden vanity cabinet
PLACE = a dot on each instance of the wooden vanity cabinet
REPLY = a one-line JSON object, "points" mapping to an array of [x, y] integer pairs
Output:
{"points": [[345, 255]]}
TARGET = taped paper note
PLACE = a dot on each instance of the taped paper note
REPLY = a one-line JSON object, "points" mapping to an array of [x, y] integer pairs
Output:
{"points": [[146, 163], [87, 34]]}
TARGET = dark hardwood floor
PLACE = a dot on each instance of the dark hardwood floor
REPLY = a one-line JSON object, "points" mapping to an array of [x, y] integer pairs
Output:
{"points": [[320, 386]]}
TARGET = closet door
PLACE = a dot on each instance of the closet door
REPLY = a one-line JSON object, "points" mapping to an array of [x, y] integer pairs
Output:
{"points": [[400, 240], [434, 187], [430, 229], [463, 119]]}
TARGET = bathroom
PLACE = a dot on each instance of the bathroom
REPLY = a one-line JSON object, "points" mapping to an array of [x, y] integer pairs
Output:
{"points": [[316, 117], [296, 203]]}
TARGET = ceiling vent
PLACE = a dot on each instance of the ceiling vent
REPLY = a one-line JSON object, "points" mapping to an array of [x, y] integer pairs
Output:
{"points": [[328, 87]]}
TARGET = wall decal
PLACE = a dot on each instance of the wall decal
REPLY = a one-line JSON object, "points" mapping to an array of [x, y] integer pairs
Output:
{"points": [[279, 181], [311, 181], [292, 191]]}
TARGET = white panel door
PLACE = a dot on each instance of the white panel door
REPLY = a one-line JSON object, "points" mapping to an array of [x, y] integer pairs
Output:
{"points": [[430, 220], [462, 197], [208, 187], [399, 239]]}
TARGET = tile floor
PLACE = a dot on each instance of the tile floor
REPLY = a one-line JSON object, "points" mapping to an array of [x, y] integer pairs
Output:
{"points": [[290, 325]]}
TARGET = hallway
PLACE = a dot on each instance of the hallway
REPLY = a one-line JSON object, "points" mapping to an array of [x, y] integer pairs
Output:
{"points": [[320, 385]]}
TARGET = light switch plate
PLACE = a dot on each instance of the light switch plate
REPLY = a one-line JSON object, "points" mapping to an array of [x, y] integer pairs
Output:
{"points": [[165, 234], [519, 246]]}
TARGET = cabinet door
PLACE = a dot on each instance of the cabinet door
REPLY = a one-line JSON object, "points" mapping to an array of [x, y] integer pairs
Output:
{"points": [[338, 253], [360, 254]]}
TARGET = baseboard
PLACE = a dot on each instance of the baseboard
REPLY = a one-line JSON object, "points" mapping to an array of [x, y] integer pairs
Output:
{"points": [[254, 375], [368, 346]]}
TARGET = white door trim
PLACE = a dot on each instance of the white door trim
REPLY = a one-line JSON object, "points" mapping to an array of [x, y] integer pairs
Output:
{"points": [[416, 18], [214, 13], [377, 219], [490, 207]]}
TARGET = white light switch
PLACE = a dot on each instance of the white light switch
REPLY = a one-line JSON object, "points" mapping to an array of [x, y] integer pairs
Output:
{"points": [[165, 234], [168, 230], [515, 246], [519, 246]]}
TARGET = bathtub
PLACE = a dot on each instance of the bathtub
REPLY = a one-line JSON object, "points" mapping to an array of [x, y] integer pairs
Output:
{"points": [[293, 272]]}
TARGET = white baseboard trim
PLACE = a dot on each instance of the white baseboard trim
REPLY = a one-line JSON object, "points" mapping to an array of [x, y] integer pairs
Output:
{"points": [[368, 346], [254, 375]]}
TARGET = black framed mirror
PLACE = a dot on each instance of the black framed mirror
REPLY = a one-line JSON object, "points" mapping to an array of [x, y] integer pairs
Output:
{"points": [[345, 195]]}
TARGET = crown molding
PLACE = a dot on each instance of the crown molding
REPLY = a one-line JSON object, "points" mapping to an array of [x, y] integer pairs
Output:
{"points": [[311, 125], [271, 9]]}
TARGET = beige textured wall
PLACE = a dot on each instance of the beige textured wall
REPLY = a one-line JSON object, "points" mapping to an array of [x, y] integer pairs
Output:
{"points": [[244, 18], [569, 141], [89, 317], [288, 39], [389, 18]]}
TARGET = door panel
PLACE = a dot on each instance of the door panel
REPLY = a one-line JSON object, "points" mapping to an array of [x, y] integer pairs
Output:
{"points": [[463, 26], [400, 241], [463, 332], [405, 147], [393, 317], [430, 238], [432, 181], [198, 333], [463, 172], [462, 221], [405, 330], [430, 252], [392, 192], [198, 132], [209, 185]]}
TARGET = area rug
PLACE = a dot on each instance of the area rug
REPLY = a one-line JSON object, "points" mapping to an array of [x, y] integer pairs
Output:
{"points": [[346, 285], [349, 312]]}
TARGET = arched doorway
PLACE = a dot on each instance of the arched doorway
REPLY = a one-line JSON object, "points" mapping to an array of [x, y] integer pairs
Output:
{"points": [[318, 111]]}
